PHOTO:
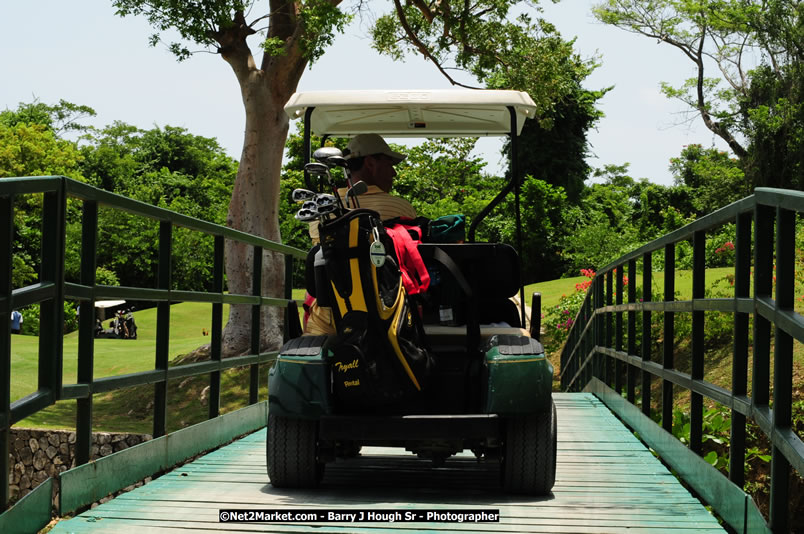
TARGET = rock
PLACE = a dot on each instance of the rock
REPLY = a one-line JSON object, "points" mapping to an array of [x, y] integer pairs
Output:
{"points": [[51, 451], [42, 442], [39, 477], [39, 460], [71, 437], [50, 470], [104, 438], [33, 444], [26, 455], [106, 450], [25, 482], [64, 449], [53, 439], [58, 461], [19, 444]]}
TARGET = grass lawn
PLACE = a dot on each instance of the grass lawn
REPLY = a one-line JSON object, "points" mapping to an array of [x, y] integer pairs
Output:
{"points": [[128, 410], [553, 290]]}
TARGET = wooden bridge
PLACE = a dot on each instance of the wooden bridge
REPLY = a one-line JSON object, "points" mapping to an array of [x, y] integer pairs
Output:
{"points": [[608, 479]]}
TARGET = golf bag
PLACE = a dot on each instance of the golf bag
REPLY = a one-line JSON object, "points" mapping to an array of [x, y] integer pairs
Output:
{"points": [[379, 355]]}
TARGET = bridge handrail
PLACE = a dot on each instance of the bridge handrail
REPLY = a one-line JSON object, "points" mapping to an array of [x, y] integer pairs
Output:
{"points": [[595, 352], [51, 291]]}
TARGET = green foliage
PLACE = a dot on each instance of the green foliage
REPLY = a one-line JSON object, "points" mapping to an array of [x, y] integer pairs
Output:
{"points": [[713, 178], [167, 167], [194, 21], [59, 118], [558, 320], [212, 24], [716, 431], [30, 319], [758, 92]]}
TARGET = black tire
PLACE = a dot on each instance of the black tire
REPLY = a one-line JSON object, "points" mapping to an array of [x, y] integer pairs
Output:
{"points": [[529, 455], [292, 453]]}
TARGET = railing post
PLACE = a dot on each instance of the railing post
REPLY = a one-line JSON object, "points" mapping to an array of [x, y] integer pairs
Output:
{"points": [[86, 332], [215, 351], [739, 376], [698, 352], [618, 332], [668, 345], [782, 366], [256, 290], [608, 362], [6, 241], [630, 387], [51, 311], [163, 328], [763, 286], [647, 282], [600, 328]]}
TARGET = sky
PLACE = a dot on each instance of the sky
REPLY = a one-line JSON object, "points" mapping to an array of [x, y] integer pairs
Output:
{"points": [[83, 53]]}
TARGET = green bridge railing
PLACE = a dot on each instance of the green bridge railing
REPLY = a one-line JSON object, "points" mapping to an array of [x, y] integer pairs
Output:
{"points": [[606, 354], [51, 290]]}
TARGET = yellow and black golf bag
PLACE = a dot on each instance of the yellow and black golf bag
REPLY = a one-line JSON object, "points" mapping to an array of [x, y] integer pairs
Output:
{"points": [[379, 355]]}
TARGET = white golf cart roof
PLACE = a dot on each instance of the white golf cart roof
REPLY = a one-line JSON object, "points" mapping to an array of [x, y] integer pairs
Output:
{"points": [[413, 113]]}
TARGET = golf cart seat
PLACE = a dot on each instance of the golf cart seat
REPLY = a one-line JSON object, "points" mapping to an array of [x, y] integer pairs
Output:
{"points": [[471, 282]]}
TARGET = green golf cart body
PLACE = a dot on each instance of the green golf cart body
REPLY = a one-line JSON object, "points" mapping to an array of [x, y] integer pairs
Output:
{"points": [[490, 390]]}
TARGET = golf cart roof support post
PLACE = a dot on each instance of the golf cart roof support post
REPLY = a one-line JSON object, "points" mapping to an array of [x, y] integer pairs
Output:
{"points": [[308, 113], [513, 184], [517, 179]]}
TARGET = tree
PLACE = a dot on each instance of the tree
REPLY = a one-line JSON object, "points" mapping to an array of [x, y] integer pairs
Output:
{"points": [[713, 178], [476, 37], [757, 109], [29, 146], [167, 167]]}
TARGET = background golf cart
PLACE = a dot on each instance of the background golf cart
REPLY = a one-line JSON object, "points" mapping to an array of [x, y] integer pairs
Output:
{"points": [[123, 325], [491, 390]]}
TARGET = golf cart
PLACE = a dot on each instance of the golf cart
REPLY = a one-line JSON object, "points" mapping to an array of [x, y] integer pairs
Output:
{"points": [[480, 382]]}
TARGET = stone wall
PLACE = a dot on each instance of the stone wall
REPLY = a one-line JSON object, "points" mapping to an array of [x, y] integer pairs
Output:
{"points": [[36, 455]]}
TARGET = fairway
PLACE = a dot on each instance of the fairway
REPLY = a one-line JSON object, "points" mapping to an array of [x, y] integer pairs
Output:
{"points": [[188, 321]]}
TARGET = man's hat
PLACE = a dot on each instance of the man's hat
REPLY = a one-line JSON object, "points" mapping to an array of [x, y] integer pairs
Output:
{"points": [[370, 145]]}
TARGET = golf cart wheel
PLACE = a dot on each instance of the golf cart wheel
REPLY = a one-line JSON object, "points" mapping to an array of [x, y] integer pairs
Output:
{"points": [[529, 462], [292, 453]]}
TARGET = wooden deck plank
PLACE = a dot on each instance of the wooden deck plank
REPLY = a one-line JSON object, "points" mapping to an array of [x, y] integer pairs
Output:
{"points": [[607, 481]]}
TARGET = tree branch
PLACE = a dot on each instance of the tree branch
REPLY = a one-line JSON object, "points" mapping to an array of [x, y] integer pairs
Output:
{"points": [[714, 127], [421, 47]]}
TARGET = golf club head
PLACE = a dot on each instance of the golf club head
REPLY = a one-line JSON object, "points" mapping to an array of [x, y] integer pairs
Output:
{"points": [[310, 205], [306, 215], [328, 208], [325, 200], [329, 156], [302, 195], [316, 168]]}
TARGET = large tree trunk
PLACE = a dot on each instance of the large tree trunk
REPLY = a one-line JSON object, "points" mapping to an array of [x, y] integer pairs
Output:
{"points": [[253, 209], [255, 198]]}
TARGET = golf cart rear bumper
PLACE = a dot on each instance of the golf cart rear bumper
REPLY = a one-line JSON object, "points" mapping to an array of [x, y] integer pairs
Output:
{"points": [[409, 427]]}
